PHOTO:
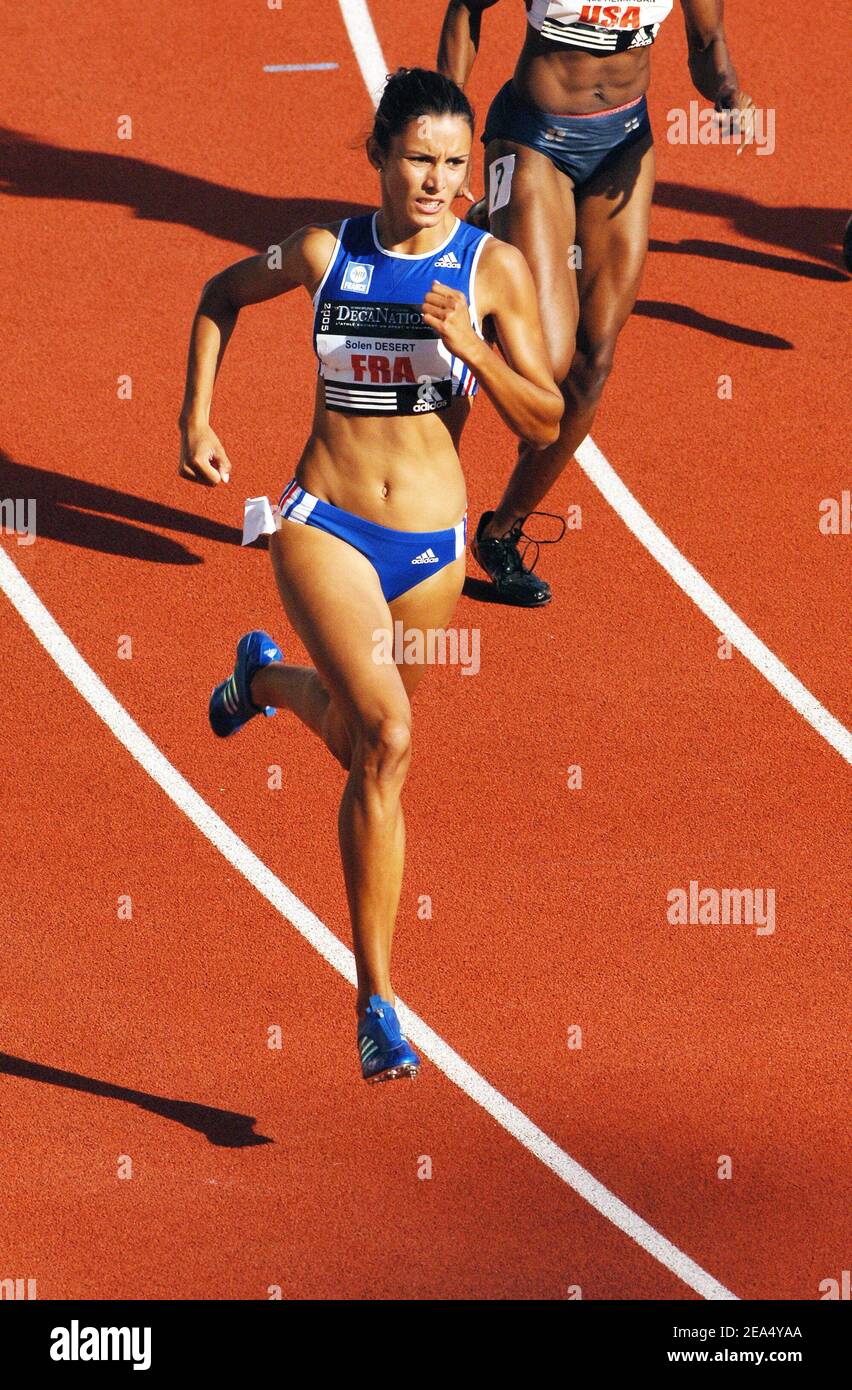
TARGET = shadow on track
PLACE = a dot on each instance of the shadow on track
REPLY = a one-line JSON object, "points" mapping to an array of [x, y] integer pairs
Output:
{"points": [[816, 232], [67, 510], [720, 328], [31, 168], [741, 255], [225, 1128]]}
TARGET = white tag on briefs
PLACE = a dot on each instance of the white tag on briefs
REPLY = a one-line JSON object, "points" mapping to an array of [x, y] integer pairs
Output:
{"points": [[258, 519], [500, 173]]}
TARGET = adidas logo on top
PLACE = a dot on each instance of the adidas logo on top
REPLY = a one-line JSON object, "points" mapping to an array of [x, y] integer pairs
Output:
{"points": [[428, 557], [450, 261]]}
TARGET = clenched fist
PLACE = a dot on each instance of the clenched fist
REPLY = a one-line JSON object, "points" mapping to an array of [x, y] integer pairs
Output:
{"points": [[202, 456], [446, 311]]}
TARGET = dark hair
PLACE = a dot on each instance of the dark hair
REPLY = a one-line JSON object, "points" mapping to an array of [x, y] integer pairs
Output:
{"points": [[413, 92]]}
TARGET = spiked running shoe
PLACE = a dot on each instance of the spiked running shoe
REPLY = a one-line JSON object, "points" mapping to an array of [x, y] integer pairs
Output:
{"points": [[503, 562], [231, 705], [385, 1054]]}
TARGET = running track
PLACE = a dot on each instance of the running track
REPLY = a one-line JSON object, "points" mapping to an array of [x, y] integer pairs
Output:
{"points": [[147, 1038]]}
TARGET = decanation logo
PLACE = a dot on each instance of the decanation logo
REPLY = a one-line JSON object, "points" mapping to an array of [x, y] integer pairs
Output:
{"points": [[76, 1343]]}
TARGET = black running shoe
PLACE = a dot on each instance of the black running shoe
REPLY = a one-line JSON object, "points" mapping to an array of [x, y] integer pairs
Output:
{"points": [[503, 562]]}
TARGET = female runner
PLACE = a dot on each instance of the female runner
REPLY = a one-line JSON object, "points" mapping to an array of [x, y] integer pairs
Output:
{"points": [[569, 159], [371, 529]]}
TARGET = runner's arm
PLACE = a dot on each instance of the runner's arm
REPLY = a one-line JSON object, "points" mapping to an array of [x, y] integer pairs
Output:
{"points": [[710, 64], [300, 260], [459, 42], [522, 388]]}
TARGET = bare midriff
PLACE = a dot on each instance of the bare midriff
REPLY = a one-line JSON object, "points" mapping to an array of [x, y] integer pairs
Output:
{"points": [[565, 82], [401, 471]]}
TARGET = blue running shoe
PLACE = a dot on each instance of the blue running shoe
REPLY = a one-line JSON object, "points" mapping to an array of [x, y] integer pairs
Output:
{"points": [[231, 705], [385, 1054]]}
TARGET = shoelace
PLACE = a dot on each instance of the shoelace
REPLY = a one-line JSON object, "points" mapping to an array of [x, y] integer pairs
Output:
{"points": [[516, 533]]}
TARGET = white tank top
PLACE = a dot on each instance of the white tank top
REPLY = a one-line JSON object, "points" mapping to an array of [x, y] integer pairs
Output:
{"points": [[598, 28]]}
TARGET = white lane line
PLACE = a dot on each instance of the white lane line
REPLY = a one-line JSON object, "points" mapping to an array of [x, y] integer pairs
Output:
{"points": [[365, 46], [88, 684], [365, 42], [632, 513], [299, 67]]}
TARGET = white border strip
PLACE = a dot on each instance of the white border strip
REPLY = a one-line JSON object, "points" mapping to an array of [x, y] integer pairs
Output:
{"points": [[88, 684], [300, 67]]}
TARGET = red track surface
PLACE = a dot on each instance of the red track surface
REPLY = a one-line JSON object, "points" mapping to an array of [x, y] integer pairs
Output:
{"points": [[148, 1038]]}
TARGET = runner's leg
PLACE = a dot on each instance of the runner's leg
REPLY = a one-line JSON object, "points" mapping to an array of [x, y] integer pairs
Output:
{"points": [[334, 601], [613, 212]]}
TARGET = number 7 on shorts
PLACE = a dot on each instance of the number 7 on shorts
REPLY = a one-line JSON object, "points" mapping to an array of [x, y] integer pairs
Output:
{"points": [[500, 173]]}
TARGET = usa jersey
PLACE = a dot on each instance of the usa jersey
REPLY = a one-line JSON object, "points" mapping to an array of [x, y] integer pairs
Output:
{"points": [[598, 28], [376, 355]]}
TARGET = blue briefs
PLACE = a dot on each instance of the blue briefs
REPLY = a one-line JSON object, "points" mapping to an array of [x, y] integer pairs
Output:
{"points": [[401, 559], [579, 146]]}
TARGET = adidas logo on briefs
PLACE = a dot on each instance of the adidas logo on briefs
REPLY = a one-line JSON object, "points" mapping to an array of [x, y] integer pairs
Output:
{"points": [[427, 558], [450, 261]]}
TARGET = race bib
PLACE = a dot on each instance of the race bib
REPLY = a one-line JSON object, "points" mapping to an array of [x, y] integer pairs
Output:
{"points": [[500, 173]]}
